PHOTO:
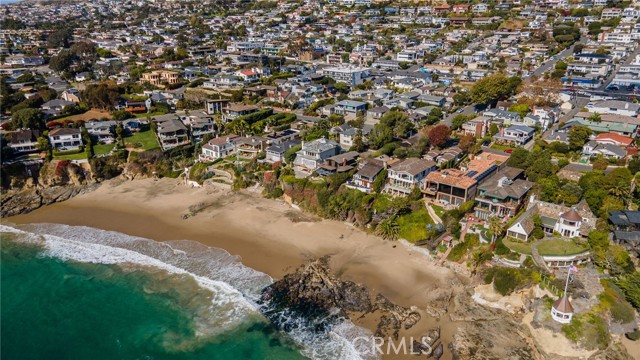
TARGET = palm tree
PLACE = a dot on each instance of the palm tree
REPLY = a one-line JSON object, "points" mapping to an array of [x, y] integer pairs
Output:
{"points": [[388, 229], [496, 228], [622, 191]]}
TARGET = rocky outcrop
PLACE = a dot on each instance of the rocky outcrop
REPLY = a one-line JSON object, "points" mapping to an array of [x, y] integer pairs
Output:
{"points": [[312, 292], [21, 202], [54, 182]]}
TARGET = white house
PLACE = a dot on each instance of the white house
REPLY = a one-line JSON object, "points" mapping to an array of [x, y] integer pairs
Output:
{"points": [[218, 148], [314, 153], [65, 139]]}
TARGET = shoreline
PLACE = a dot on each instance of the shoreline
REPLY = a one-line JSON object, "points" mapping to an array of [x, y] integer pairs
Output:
{"points": [[268, 235]]}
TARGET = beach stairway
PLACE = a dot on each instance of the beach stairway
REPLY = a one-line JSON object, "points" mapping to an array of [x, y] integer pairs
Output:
{"points": [[538, 260]]}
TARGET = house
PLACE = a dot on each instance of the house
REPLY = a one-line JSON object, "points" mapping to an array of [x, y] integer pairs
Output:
{"points": [[64, 139], [349, 74], [569, 222], [83, 76], [276, 152], [134, 107], [200, 126], [614, 107], [71, 95], [249, 147], [609, 151], [55, 107], [502, 194], [218, 148], [338, 164], [517, 134], [346, 107], [404, 176], [101, 131], [377, 113], [456, 186], [134, 125], [557, 136], [626, 225], [161, 77], [282, 136], [24, 141], [314, 153], [172, 133], [232, 111], [365, 178], [216, 106], [614, 139], [477, 127]]}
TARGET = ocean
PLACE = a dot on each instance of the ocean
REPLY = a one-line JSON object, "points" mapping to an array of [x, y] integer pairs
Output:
{"points": [[73, 292]]}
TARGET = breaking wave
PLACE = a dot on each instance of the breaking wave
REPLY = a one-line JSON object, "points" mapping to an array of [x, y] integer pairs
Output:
{"points": [[223, 292]]}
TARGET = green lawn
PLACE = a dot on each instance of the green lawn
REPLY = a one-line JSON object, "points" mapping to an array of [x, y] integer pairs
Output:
{"points": [[547, 247], [151, 114], [79, 156], [144, 140], [522, 248], [413, 226], [502, 147], [439, 210], [102, 149], [560, 247]]}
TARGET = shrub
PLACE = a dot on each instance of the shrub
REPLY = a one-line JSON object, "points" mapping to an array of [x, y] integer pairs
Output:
{"points": [[507, 280]]}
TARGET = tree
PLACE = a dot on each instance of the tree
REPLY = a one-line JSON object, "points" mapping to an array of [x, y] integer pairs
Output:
{"points": [[466, 142], [496, 227], [43, 144], [600, 164], [493, 88], [388, 229], [518, 158], [358, 143], [595, 117], [59, 38], [578, 136], [634, 165], [459, 120], [522, 109], [290, 155], [62, 61], [120, 115], [380, 181], [561, 65], [28, 119], [103, 96], [630, 285], [439, 135], [541, 166]]}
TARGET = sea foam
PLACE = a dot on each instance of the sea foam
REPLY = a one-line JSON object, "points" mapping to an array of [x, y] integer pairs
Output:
{"points": [[233, 287]]}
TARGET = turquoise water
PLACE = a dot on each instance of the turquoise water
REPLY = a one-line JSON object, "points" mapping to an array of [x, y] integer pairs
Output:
{"points": [[55, 309]]}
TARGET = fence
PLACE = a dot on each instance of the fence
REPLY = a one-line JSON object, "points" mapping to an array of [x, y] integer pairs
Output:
{"points": [[547, 283]]}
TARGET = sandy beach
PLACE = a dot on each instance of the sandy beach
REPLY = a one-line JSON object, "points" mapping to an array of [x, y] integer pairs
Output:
{"points": [[269, 236]]}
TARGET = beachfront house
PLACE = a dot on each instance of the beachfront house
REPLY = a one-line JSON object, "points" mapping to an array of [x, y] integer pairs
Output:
{"points": [[407, 174], [218, 148], [64, 139], [569, 222], [24, 141], [502, 194], [314, 153]]}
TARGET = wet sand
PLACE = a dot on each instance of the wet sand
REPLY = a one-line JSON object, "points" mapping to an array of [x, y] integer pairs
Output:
{"points": [[260, 231]]}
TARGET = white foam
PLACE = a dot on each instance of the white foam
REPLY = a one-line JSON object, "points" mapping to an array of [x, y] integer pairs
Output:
{"points": [[234, 287]]}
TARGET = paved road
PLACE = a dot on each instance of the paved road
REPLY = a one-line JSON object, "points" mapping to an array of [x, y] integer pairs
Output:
{"points": [[468, 110], [550, 64]]}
